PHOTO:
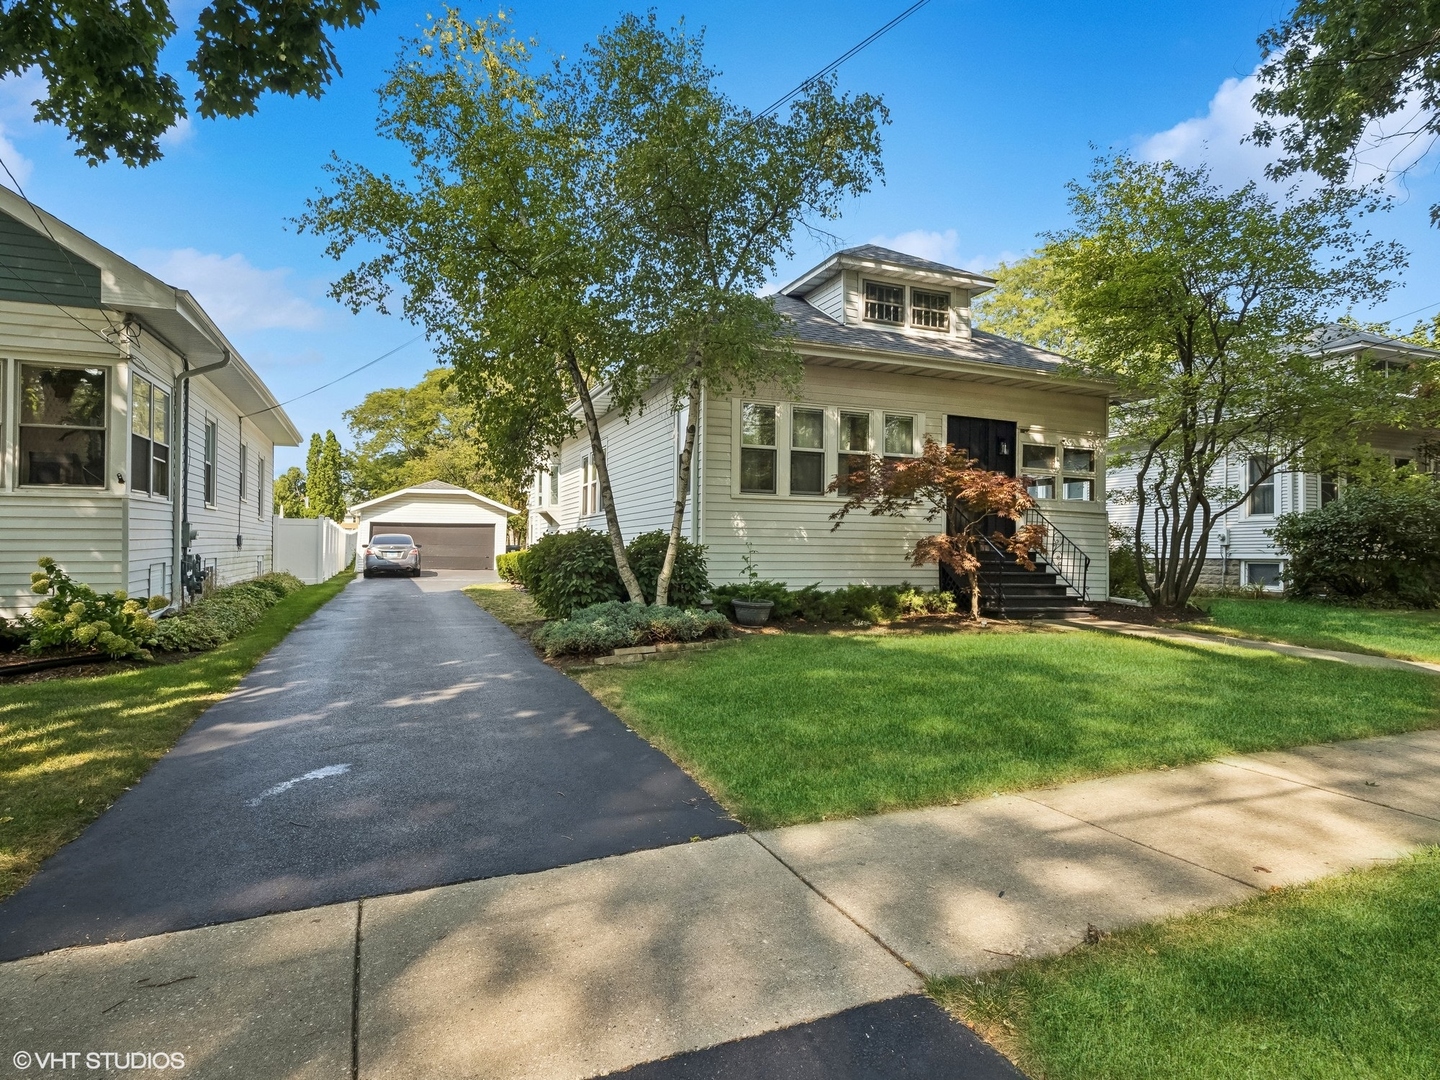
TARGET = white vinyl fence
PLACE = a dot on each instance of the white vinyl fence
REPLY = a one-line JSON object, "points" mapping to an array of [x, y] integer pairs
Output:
{"points": [[313, 549]]}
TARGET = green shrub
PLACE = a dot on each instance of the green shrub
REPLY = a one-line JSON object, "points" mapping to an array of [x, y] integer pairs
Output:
{"points": [[1379, 545], [689, 581], [571, 570], [1124, 577], [615, 624], [75, 616], [511, 566], [224, 614], [850, 604]]}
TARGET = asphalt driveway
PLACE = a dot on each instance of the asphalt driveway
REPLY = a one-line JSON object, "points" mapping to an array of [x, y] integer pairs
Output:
{"points": [[400, 738]]}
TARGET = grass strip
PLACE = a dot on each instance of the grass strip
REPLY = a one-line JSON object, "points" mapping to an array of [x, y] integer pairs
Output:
{"points": [[510, 604], [802, 727], [69, 747], [1404, 635], [1335, 978]]}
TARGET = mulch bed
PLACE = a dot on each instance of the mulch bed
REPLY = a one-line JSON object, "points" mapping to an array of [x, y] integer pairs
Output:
{"points": [[83, 667]]}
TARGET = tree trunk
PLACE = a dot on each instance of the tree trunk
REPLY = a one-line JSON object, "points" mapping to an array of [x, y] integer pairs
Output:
{"points": [[974, 576], [682, 493], [602, 472]]}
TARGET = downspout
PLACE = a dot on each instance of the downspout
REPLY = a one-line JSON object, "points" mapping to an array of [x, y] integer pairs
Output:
{"points": [[180, 500]]}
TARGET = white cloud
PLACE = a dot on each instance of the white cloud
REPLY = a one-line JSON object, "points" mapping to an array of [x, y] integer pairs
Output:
{"points": [[16, 120], [177, 134], [1218, 139], [239, 297], [943, 247]]}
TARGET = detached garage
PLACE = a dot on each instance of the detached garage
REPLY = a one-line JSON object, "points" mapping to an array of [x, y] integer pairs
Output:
{"points": [[457, 529]]}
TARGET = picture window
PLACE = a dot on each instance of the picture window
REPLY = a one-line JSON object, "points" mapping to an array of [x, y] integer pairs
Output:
{"points": [[62, 426]]}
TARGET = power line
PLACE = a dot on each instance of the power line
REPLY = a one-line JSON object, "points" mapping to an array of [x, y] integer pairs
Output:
{"points": [[341, 378]]}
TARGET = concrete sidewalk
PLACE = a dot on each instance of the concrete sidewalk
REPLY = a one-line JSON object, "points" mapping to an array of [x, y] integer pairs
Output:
{"points": [[588, 969]]}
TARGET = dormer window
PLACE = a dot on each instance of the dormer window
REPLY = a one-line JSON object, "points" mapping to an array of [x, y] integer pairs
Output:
{"points": [[930, 310], [884, 303]]}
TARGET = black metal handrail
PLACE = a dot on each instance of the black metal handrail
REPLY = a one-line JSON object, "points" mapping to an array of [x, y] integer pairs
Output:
{"points": [[1065, 558]]}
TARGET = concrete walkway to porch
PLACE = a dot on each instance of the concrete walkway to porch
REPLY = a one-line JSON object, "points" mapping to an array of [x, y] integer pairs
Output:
{"points": [[601, 966]]}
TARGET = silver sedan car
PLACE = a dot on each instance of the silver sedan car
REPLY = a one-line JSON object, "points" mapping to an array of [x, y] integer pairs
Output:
{"points": [[391, 553]]}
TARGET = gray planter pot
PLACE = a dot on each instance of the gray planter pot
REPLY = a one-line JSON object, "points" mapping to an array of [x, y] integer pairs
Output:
{"points": [[752, 612]]}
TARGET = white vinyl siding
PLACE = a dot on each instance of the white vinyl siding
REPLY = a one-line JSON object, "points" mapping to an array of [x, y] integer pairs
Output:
{"points": [[830, 298]]}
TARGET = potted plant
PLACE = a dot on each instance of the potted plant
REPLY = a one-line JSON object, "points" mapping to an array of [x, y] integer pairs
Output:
{"points": [[750, 608]]}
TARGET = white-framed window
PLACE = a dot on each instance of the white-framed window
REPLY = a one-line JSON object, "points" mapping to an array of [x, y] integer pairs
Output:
{"points": [[758, 448], [260, 488], [854, 446], [1266, 574], [149, 439], [1261, 474], [884, 303], [1329, 488], [899, 435], [63, 413], [555, 481], [589, 487], [1039, 465], [1077, 466], [212, 439], [244, 470], [930, 310], [807, 450]]}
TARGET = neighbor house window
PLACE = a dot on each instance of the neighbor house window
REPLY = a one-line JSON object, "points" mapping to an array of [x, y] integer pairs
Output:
{"points": [[589, 487], [807, 451], [555, 481], [1268, 575], [854, 446], [757, 449], [1262, 480], [884, 303], [1078, 466], [1038, 462], [211, 439], [930, 309], [149, 439], [1329, 488], [62, 426], [899, 436]]}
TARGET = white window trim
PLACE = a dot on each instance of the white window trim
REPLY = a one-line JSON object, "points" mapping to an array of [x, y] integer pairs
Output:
{"points": [[1245, 574], [211, 499], [1274, 483], [11, 415], [828, 444], [156, 387]]}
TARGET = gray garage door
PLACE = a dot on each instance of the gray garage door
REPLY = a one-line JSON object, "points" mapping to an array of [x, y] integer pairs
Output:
{"points": [[447, 547]]}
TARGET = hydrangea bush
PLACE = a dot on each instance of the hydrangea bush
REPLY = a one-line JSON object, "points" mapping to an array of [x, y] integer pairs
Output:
{"points": [[73, 616]]}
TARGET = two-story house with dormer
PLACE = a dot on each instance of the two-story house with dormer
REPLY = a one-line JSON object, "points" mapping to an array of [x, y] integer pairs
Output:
{"points": [[891, 358]]}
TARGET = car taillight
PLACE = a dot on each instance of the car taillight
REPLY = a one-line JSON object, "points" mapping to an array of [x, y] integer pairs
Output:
{"points": [[414, 551]]}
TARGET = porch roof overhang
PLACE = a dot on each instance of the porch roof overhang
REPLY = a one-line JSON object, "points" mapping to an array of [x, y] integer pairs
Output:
{"points": [[952, 369]]}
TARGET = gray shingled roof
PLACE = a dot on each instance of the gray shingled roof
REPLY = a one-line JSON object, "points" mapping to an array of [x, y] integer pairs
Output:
{"points": [[813, 325], [899, 258], [438, 485]]}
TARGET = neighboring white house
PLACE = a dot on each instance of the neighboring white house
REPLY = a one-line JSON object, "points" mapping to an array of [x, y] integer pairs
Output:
{"points": [[1241, 550], [891, 359], [124, 412], [457, 529]]}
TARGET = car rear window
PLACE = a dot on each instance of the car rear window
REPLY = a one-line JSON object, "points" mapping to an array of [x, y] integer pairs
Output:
{"points": [[391, 540]]}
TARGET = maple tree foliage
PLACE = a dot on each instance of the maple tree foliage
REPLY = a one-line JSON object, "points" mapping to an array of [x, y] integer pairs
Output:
{"points": [[939, 481]]}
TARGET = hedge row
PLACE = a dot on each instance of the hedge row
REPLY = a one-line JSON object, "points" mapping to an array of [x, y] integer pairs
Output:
{"points": [[223, 614]]}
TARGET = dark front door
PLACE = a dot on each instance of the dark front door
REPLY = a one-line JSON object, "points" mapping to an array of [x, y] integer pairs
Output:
{"points": [[991, 443]]}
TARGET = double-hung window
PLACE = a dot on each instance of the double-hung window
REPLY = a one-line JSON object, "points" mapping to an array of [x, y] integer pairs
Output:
{"points": [[1261, 473], [260, 488], [62, 425], [244, 470], [884, 303], [149, 439], [211, 440], [807, 451], [1038, 463], [1078, 466], [589, 487], [757, 448], [854, 446], [930, 310], [899, 436]]}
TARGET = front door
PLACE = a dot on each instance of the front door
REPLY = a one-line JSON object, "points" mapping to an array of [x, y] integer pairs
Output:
{"points": [[990, 443]]}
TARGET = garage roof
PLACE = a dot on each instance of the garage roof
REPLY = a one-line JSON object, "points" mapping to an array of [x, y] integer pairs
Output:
{"points": [[435, 487]]}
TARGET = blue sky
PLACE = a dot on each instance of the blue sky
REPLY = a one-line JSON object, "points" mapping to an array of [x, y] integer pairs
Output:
{"points": [[994, 108]]}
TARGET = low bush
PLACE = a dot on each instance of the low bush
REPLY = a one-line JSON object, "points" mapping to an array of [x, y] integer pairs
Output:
{"points": [[511, 566], [689, 581], [73, 616], [571, 570], [853, 603], [1378, 545], [223, 614], [616, 624]]}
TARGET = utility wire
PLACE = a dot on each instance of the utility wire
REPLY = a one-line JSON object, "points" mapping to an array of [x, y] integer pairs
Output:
{"points": [[340, 378]]}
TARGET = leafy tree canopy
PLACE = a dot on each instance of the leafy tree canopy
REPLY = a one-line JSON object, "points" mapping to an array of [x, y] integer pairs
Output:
{"points": [[290, 494], [105, 83], [1340, 72]]}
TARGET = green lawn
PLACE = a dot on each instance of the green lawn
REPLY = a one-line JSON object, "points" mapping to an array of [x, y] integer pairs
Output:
{"points": [[69, 747], [1409, 635], [1340, 978], [508, 603], [799, 727]]}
